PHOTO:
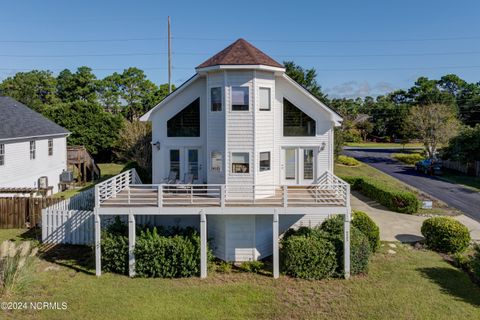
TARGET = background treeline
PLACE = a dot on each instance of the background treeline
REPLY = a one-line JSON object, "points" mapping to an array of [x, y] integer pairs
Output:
{"points": [[102, 114]]}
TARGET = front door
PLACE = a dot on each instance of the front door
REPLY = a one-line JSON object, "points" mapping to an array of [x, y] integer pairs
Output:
{"points": [[298, 165], [185, 161]]}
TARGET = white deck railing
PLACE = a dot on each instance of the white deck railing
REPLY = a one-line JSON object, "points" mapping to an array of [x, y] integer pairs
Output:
{"points": [[124, 190]]}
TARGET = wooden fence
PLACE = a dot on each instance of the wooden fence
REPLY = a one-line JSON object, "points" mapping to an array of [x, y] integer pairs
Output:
{"points": [[23, 212], [471, 168]]}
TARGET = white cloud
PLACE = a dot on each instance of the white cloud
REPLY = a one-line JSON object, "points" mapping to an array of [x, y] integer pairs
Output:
{"points": [[355, 89]]}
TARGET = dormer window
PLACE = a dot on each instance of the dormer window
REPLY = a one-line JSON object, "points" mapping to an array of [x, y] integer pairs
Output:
{"points": [[240, 99], [216, 99]]}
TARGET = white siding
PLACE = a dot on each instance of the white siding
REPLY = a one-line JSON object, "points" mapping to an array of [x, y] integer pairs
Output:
{"points": [[240, 238], [20, 171], [216, 232]]}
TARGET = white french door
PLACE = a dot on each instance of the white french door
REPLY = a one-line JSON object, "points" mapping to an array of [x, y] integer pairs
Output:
{"points": [[186, 160], [298, 165]]}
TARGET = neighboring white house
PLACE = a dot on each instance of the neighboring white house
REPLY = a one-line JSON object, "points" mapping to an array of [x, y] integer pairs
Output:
{"points": [[32, 148], [242, 146]]}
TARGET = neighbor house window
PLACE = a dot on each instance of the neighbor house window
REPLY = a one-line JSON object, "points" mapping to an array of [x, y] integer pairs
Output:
{"points": [[50, 147], [2, 154], [265, 99], [216, 161], [240, 98], [240, 162], [32, 150], [264, 161], [175, 162], [186, 123], [296, 122], [216, 99]]}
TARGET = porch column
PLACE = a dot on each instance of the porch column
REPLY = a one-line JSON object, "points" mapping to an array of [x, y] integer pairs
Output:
{"points": [[98, 251], [131, 245], [203, 244], [276, 264], [346, 243]]}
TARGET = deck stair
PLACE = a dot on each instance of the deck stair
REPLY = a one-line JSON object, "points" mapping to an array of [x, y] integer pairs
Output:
{"points": [[82, 162]]}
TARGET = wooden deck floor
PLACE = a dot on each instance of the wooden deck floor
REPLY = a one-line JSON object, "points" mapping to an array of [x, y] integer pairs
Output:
{"points": [[145, 197]]}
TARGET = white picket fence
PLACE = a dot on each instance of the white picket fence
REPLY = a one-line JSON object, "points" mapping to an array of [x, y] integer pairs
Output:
{"points": [[70, 221]]}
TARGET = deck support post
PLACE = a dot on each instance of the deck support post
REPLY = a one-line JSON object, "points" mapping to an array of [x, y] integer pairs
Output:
{"points": [[131, 245], [276, 260], [346, 243], [98, 251], [203, 244]]}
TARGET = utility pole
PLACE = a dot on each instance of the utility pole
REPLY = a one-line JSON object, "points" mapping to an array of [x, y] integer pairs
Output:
{"points": [[169, 58]]}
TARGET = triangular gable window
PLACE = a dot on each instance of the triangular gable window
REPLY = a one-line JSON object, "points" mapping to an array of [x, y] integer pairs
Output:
{"points": [[295, 122], [186, 123]]}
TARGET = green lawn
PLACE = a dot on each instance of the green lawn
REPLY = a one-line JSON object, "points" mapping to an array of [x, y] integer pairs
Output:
{"points": [[364, 170], [468, 181], [383, 145], [108, 170], [411, 284]]}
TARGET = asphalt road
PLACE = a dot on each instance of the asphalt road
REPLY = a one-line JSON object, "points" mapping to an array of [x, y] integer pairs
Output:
{"points": [[456, 196]]}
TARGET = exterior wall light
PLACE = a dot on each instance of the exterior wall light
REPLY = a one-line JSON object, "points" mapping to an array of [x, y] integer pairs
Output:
{"points": [[156, 144]]}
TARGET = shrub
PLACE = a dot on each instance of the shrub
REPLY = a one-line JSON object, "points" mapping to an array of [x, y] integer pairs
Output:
{"points": [[368, 227], [399, 201], [408, 158], [223, 266], [308, 257], [114, 249], [359, 245], [15, 263], [252, 266], [445, 234], [348, 161]]}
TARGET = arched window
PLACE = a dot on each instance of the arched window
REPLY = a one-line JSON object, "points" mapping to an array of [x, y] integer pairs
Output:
{"points": [[295, 122], [186, 123]]}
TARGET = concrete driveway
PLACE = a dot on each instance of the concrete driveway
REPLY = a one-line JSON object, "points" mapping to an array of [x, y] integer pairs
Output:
{"points": [[456, 196], [401, 227]]}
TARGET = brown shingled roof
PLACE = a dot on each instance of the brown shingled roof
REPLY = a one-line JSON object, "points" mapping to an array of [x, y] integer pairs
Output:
{"points": [[240, 52]]}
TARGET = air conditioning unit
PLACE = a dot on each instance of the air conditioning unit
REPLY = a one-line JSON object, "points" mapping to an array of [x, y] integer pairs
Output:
{"points": [[43, 182], [66, 176]]}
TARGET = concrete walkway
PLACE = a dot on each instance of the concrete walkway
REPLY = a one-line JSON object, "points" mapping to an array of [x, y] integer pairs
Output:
{"points": [[402, 227]]}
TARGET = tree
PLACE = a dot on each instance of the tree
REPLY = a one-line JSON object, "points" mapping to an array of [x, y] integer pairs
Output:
{"points": [[306, 78], [434, 124], [81, 85], [465, 146], [110, 93], [89, 125], [36, 89]]}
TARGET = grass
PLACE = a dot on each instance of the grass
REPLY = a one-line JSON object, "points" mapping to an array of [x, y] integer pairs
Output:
{"points": [[459, 178], [364, 170], [108, 170], [411, 282], [383, 145]]}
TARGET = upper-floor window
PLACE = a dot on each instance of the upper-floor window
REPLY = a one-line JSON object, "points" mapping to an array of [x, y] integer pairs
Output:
{"points": [[240, 162], [50, 147], [240, 99], [264, 161], [32, 150], [2, 154], [186, 123], [295, 122], [265, 100], [216, 99]]}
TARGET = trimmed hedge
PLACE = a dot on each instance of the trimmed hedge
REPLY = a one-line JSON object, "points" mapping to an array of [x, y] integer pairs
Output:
{"points": [[368, 227], [308, 257], [348, 161], [445, 234], [399, 201], [359, 245], [408, 158]]}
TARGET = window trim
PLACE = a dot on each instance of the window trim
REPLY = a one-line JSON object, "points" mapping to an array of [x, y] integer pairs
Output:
{"points": [[50, 147], [2, 154], [221, 99], [269, 161], [269, 98], [231, 99], [240, 173], [33, 151]]}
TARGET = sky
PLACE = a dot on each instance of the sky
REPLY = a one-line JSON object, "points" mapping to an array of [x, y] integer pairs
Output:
{"points": [[358, 48]]}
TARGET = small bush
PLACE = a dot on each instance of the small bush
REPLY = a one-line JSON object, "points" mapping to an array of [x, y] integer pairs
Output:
{"points": [[348, 161], [445, 234], [408, 158], [114, 249], [252, 266], [399, 201], [224, 267], [15, 263], [308, 257], [359, 245], [368, 227]]}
